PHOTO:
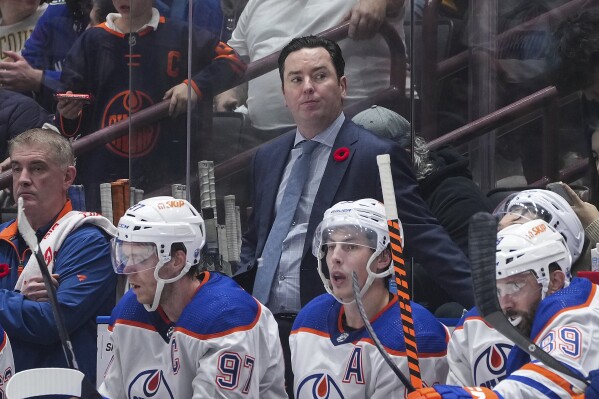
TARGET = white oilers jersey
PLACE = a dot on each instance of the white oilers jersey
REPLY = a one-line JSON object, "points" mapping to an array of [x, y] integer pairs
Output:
{"points": [[477, 353], [7, 363], [224, 345], [330, 362], [566, 326]]}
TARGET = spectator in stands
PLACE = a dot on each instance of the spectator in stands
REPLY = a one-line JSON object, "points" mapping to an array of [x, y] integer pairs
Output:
{"points": [[76, 246], [587, 214], [38, 69], [17, 20], [99, 64], [445, 183], [207, 14], [343, 167], [18, 113], [99, 11], [196, 335], [265, 26], [443, 175], [577, 68]]}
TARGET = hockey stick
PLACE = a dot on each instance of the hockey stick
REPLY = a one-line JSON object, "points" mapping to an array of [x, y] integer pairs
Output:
{"points": [[482, 247], [87, 389], [377, 342], [401, 276]]}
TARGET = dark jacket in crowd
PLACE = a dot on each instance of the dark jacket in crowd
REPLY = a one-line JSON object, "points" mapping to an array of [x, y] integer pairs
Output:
{"points": [[452, 195], [17, 114]]}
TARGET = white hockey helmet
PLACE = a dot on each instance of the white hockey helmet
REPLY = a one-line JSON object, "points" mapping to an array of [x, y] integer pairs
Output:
{"points": [[532, 246], [365, 217], [550, 207], [156, 224]]}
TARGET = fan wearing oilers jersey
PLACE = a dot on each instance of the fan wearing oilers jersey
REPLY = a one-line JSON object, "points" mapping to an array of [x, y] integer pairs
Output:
{"points": [[533, 262], [177, 334], [477, 354], [332, 354]]}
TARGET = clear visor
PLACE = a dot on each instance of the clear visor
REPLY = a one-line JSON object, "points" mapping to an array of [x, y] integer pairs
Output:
{"points": [[517, 284], [132, 257], [511, 212], [347, 236]]}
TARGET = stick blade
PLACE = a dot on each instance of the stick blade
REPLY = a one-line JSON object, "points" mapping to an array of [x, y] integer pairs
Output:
{"points": [[482, 244]]}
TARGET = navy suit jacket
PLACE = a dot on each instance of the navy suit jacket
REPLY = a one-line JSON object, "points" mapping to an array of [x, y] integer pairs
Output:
{"points": [[354, 178]]}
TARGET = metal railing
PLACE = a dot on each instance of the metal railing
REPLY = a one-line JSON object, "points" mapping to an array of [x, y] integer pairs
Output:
{"points": [[152, 114]]}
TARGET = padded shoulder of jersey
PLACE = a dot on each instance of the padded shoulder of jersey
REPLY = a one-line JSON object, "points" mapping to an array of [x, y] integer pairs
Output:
{"points": [[322, 314], [219, 307], [578, 294]]}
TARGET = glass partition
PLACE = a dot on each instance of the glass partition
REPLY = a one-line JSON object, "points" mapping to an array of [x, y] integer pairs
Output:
{"points": [[478, 76]]}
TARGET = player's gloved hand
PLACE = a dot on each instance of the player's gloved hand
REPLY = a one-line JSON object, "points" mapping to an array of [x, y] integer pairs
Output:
{"points": [[592, 391], [452, 392]]}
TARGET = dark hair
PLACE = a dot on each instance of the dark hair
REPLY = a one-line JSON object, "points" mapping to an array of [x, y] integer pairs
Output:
{"points": [[313, 42], [105, 7], [80, 12], [576, 51]]}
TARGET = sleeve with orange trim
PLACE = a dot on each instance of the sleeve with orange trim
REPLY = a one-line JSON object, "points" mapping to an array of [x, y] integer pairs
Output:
{"points": [[217, 67], [453, 392]]}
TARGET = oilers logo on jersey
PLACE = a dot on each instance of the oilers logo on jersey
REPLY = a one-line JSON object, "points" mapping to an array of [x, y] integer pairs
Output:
{"points": [[318, 385], [145, 138], [150, 384], [491, 362]]}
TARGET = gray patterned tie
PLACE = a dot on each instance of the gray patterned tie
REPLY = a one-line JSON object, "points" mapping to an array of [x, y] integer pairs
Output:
{"points": [[280, 228]]}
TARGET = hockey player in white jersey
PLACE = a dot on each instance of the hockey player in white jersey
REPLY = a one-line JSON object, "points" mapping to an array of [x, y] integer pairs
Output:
{"points": [[7, 363], [332, 354], [179, 335], [477, 354], [532, 260]]}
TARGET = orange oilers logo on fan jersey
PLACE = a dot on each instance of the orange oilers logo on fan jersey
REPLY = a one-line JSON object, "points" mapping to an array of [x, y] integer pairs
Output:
{"points": [[144, 138]]}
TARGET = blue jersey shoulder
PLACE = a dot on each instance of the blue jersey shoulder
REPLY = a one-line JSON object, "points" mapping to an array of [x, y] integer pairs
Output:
{"points": [[129, 309], [431, 336], [576, 294], [322, 314], [219, 306], [472, 313], [315, 315]]}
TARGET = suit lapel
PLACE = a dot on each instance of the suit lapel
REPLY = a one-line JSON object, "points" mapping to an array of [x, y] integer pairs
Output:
{"points": [[333, 174]]}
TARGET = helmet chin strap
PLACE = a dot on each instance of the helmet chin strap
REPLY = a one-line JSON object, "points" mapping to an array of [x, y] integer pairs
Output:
{"points": [[161, 282], [369, 280]]}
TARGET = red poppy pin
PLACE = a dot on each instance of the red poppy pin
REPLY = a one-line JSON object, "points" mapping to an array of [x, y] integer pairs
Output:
{"points": [[341, 154], [4, 270]]}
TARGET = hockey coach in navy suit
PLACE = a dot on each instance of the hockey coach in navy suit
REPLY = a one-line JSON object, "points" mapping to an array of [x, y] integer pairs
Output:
{"points": [[277, 265]]}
